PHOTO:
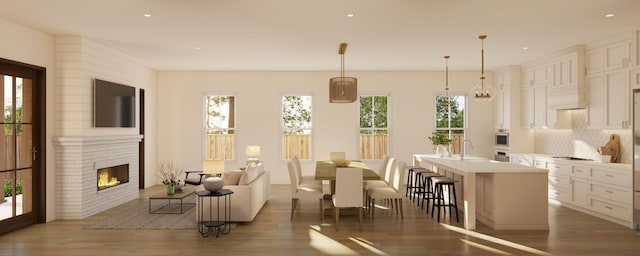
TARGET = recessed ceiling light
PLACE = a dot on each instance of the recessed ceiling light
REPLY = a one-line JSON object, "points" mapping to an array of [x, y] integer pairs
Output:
{"points": [[197, 48], [349, 15], [148, 15], [609, 15], [525, 48]]}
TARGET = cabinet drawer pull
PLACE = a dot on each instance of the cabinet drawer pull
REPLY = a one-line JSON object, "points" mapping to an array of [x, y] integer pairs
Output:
{"points": [[609, 175], [609, 191], [609, 207]]}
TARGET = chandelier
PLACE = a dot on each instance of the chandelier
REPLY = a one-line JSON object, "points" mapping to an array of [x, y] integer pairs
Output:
{"points": [[447, 99], [343, 89], [482, 92]]}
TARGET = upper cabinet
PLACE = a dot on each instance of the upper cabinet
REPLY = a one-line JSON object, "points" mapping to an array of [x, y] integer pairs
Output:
{"points": [[608, 84], [507, 84], [612, 56]]}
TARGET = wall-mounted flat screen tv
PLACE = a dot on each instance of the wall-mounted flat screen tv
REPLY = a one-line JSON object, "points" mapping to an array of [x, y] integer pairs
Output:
{"points": [[113, 104]]}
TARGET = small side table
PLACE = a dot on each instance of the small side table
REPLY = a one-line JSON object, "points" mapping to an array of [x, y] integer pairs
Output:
{"points": [[218, 226]]}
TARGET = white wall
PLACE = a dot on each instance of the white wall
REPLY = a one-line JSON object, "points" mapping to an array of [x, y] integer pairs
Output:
{"points": [[27, 45], [30, 46], [180, 113]]}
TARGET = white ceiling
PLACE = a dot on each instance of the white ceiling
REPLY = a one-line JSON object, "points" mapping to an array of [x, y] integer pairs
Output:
{"points": [[305, 34]]}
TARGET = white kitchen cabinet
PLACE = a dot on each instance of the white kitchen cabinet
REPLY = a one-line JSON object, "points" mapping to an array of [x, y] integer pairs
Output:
{"points": [[611, 193], [609, 100], [634, 78], [565, 71], [507, 102], [617, 91], [602, 190], [534, 107], [597, 104], [503, 110], [634, 51], [537, 74], [559, 181], [578, 187], [612, 56]]}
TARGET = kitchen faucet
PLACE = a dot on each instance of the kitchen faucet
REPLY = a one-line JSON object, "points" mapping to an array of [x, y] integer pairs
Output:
{"points": [[462, 152]]}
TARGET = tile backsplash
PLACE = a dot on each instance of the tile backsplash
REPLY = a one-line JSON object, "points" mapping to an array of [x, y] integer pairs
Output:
{"points": [[580, 141]]}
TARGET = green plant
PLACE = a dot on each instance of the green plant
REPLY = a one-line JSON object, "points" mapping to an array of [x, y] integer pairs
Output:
{"points": [[169, 173], [7, 187], [440, 138]]}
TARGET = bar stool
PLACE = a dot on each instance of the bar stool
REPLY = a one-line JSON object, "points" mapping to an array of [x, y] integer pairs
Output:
{"points": [[426, 188], [438, 185], [412, 180]]}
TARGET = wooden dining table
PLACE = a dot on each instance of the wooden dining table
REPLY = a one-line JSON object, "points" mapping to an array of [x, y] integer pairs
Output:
{"points": [[326, 170]]}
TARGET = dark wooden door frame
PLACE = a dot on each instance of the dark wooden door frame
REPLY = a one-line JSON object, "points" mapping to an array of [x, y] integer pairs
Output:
{"points": [[141, 144], [39, 168]]}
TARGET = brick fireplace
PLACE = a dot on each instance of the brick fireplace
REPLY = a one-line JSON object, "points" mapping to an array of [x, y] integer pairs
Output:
{"points": [[78, 160]]}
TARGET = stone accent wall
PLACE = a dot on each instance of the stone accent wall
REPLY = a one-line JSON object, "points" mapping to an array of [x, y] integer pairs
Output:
{"points": [[77, 160]]}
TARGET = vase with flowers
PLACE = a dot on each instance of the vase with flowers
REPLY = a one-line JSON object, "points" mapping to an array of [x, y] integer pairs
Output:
{"points": [[441, 141], [169, 172]]}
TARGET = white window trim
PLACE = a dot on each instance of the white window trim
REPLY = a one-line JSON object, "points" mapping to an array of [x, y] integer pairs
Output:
{"points": [[204, 124], [389, 123], [313, 137]]}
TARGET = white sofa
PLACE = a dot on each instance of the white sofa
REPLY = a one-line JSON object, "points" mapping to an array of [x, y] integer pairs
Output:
{"points": [[252, 191]]}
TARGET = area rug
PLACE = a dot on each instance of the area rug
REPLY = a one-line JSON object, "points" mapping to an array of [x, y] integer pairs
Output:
{"points": [[138, 217]]}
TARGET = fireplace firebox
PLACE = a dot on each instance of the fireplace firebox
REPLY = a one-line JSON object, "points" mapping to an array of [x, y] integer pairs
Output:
{"points": [[113, 176]]}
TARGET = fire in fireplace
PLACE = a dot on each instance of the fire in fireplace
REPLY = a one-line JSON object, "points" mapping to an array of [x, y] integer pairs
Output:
{"points": [[113, 176]]}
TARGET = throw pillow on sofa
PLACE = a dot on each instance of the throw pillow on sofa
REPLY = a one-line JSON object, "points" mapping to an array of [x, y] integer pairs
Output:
{"points": [[250, 174], [231, 178]]}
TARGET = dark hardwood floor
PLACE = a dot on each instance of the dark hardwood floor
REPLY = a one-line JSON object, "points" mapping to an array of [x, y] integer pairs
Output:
{"points": [[273, 233]]}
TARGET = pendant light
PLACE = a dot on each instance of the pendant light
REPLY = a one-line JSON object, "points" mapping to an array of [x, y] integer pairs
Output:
{"points": [[482, 92], [343, 89], [447, 99]]}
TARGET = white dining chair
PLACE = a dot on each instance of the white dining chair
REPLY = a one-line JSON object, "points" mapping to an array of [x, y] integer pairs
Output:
{"points": [[302, 190], [392, 193], [348, 192], [385, 173], [337, 156], [301, 177]]}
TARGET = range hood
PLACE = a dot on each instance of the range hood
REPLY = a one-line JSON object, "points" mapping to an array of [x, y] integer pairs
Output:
{"points": [[569, 97]]}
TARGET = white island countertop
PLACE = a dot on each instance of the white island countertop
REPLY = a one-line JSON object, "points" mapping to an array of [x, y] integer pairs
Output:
{"points": [[474, 164], [501, 195]]}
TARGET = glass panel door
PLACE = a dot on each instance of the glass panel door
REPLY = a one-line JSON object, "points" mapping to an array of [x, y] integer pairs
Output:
{"points": [[16, 143]]}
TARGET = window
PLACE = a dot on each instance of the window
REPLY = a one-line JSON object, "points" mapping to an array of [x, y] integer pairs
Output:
{"points": [[374, 127], [450, 119], [219, 132], [296, 126]]}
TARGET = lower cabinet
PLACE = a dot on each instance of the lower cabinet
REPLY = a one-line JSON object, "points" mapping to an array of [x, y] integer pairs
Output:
{"points": [[602, 190]]}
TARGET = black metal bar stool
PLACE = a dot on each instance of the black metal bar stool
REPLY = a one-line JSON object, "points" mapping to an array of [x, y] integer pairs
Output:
{"points": [[438, 185], [412, 181], [426, 188]]}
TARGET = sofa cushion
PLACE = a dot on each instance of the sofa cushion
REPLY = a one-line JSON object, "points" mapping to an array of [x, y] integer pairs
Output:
{"points": [[250, 174], [232, 177]]}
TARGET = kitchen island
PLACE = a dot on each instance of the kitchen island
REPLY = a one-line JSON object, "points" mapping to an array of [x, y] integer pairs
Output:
{"points": [[500, 195]]}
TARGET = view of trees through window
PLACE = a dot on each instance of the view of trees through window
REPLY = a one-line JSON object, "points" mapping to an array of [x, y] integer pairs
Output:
{"points": [[219, 127], [296, 126], [450, 119], [374, 127]]}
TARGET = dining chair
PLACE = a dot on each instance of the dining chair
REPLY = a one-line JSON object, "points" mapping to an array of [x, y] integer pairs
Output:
{"points": [[348, 192], [392, 193], [302, 190], [386, 176], [337, 155], [303, 178]]}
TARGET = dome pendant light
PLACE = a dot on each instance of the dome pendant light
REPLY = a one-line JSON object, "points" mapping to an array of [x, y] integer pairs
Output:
{"points": [[447, 99], [482, 92], [343, 89]]}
